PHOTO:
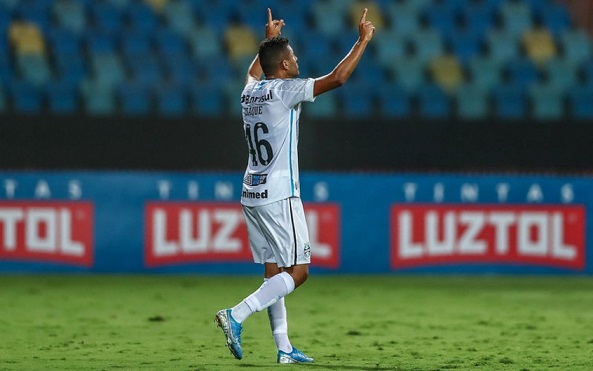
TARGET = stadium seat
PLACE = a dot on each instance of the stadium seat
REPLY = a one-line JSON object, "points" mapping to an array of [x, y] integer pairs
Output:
{"points": [[446, 71], [134, 99], [516, 17], [70, 15], [179, 17], [509, 102], [522, 72], [433, 103], [205, 43], [62, 97], [580, 100], [547, 101], [502, 45], [555, 18], [357, 102], [477, 18], [329, 25], [472, 102], [394, 101], [98, 97], [576, 45], [33, 68], [409, 72], [325, 106], [404, 17], [26, 97], [427, 44], [141, 17], [106, 18], [539, 45], [107, 69], [485, 72], [561, 73], [209, 100], [465, 44], [171, 100]]}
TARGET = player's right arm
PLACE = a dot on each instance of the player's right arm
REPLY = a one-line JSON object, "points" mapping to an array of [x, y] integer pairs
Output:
{"points": [[341, 73]]}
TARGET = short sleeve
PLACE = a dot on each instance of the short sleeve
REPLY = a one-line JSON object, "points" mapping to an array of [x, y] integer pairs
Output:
{"points": [[295, 91]]}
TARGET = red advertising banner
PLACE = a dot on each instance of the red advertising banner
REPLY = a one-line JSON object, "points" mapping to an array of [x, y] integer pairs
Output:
{"points": [[545, 235], [195, 232], [43, 231]]}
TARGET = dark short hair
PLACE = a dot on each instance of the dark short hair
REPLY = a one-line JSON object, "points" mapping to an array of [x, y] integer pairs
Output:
{"points": [[271, 52]]}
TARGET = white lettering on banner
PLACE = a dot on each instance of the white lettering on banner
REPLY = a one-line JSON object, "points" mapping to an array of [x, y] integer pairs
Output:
{"points": [[193, 190], [164, 187], [319, 249], [74, 190], [223, 190], [321, 191], [42, 189], [470, 192], [47, 230], [538, 234], [200, 224], [502, 190], [10, 187]]}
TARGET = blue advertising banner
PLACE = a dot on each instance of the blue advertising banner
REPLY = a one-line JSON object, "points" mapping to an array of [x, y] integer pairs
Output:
{"points": [[147, 222]]}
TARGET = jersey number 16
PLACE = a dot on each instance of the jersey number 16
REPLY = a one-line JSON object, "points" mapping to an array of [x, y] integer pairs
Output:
{"points": [[257, 146]]}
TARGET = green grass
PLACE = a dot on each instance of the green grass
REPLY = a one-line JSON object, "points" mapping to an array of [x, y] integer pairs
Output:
{"points": [[346, 322]]}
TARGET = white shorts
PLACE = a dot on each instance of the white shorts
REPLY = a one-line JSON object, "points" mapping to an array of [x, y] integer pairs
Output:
{"points": [[278, 233]]}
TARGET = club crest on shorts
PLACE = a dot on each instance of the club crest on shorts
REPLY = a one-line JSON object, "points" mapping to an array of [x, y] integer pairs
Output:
{"points": [[307, 250]]}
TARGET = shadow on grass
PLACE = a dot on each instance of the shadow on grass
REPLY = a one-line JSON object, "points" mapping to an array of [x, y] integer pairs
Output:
{"points": [[317, 366]]}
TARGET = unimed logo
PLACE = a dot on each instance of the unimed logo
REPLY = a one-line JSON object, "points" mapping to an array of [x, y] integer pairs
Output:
{"points": [[194, 232], [47, 232], [545, 235]]}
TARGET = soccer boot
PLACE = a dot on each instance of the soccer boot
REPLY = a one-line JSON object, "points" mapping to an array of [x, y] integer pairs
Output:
{"points": [[296, 356], [232, 331]]}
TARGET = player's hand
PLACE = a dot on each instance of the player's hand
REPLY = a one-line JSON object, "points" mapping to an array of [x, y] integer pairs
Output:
{"points": [[274, 26], [366, 30]]}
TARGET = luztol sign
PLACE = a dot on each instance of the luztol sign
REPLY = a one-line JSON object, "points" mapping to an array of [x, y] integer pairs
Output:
{"points": [[46, 231], [194, 232], [546, 235]]}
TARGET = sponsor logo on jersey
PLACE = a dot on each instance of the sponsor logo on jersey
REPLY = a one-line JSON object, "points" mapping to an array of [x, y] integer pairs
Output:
{"points": [[251, 194], [248, 99], [542, 235], [255, 179], [47, 231]]}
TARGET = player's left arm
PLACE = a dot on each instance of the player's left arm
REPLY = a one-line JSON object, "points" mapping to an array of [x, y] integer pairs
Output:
{"points": [[273, 28]]}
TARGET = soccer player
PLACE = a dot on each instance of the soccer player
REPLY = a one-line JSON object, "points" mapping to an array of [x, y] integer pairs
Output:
{"points": [[270, 199]]}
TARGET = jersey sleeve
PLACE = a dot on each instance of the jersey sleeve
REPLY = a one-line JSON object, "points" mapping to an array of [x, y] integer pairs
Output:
{"points": [[295, 91]]}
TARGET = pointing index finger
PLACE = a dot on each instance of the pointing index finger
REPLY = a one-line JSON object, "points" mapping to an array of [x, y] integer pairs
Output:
{"points": [[270, 19], [364, 15]]}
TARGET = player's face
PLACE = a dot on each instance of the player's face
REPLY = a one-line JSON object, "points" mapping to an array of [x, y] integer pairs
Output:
{"points": [[293, 66]]}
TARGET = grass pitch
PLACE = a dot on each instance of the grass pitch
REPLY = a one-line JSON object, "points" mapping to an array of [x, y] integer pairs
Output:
{"points": [[345, 322]]}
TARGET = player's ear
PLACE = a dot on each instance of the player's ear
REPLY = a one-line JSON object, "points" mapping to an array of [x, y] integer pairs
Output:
{"points": [[285, 64]]}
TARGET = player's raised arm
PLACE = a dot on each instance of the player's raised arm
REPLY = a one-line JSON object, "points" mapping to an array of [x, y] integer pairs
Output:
{"points": [[341, 73], [273, 28]]}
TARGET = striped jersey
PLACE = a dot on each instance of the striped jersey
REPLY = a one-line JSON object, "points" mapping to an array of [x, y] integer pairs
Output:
{"points": [[271, 110]]}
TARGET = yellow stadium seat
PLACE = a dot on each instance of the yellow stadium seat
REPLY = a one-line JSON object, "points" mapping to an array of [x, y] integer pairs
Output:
{"points": [[446, 72], [240, 42], [26, 38], [539, 45], [374, 13]]}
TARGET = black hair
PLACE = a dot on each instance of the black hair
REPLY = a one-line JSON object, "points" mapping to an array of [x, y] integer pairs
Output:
{"points": [[271, 52]]}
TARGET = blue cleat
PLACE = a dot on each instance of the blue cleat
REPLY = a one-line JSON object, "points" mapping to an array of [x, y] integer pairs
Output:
{"points": [[296, 356], [232, 331]]}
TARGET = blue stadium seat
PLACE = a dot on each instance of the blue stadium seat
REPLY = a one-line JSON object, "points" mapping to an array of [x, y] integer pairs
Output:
{"points": [[107, 69], [409, 72], [106, 18], [70, 15], [509, 102], [465, 44], [477, 18], [98, 97], [169, 43], [171, 100], [357, 101], [329, 25], [516, 17], [427, 44], [484, 72], [70, 67], [502, 45], [472, 102], [33, 68], [26, 97], [576, 45], [62, 97], [134, 99], [209, 100], [555, 18], [547, 102], [135, 45], [580, 100], [145, 70], [433, 103], [179, 17], [561, 72], [64, 42], [100, 43], [394, 101], [442, 17], [404, 17], [325, 106], [522, 72], [205, 43], [390, 46], [141, 17]]}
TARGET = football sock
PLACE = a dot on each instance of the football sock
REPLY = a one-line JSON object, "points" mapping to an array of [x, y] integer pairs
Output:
{"points": [[267, 294], [279, 325]]}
